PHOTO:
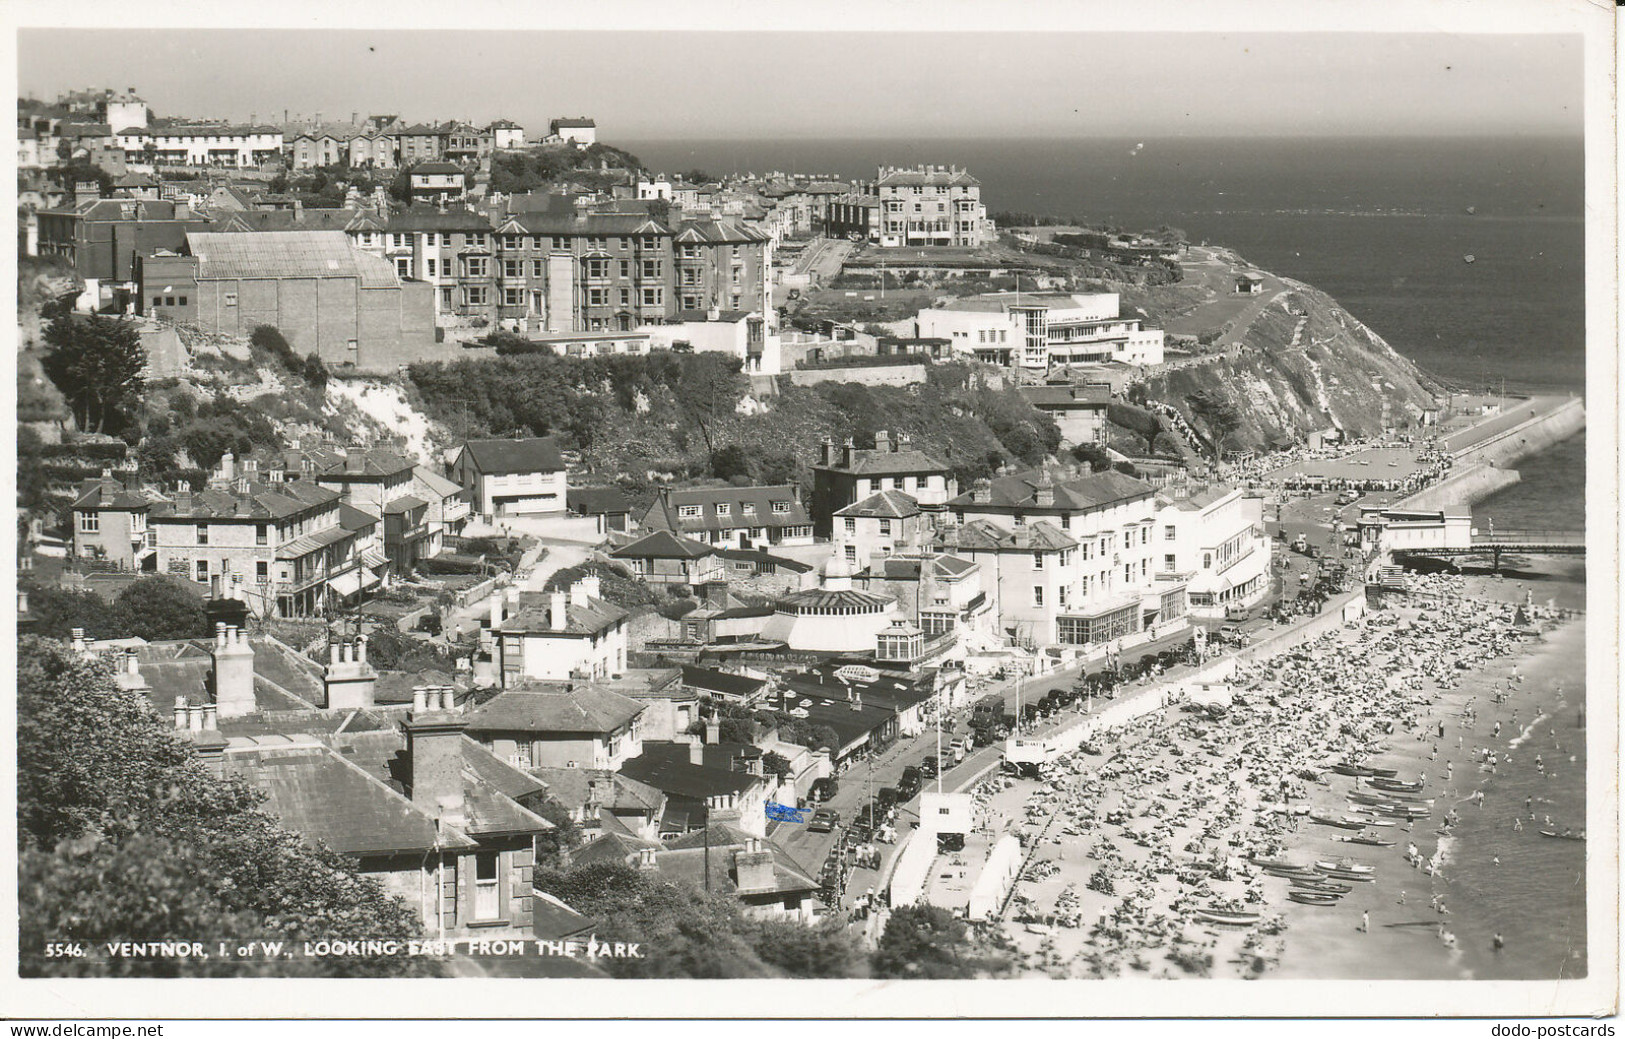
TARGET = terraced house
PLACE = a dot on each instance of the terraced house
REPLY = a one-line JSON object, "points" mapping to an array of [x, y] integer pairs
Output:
{"points": [[739, 517], [280, 547], [1071, 559]]}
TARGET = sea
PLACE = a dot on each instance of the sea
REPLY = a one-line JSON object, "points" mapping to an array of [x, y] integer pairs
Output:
{"points": [[1384, 225]]}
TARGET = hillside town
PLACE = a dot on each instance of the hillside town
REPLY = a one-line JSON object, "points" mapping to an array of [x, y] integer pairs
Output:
{"points": [[495, 507]]}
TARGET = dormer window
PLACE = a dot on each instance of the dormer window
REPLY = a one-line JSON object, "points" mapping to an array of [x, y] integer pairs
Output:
{"points": [[723, 508]]}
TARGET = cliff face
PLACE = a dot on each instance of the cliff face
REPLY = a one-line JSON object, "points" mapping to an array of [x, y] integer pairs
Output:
{"points": [[1302, 364]]}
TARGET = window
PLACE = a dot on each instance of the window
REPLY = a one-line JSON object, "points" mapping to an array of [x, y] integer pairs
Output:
{"points": [[1038, 595], [428, 266], [403, 266], [486, 904], [885, 528], [262, 570], [513, 268], [536, 268], [262, 534], [513, 297], [1128, 573], [723, 508], [851, 553], [1038, 560], [1145, 535], [688, 511], [651, 268], [231, 299], [851, 525], [169, 301], [1207, 560], [597, 297], [475, 266], [157, 301], [1018, 520], [1168, 532], [626, 297], [202, 569], [475, 241], [203, 533], [1168, 562], [475, 295], [781, 508], [654, 297], [748, 508], [598, 268], [91, 522]]}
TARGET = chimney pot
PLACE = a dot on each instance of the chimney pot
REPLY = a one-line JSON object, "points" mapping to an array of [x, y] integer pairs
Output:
{"points": [[333, 653], [180, 712], [194, 718], [420, 700], [209, 717]]}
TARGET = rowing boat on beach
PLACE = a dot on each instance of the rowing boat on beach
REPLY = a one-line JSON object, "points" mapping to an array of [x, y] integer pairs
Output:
{"points": [[1563, 836], [1345, 865], [1341, 822], [1229, 917], [1394, 785], [1325, 887], [1344, 768], [1374, 842], [1313, 898]]}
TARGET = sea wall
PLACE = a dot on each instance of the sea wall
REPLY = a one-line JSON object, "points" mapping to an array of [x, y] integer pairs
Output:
{"points": [[1464, 487], [1555, 426]]}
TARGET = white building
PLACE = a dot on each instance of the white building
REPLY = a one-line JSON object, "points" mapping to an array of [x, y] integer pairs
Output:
{"points": [[657, 188], [931, 205], [1215, 542], [512, 477], [1069, 559], [576, 636], [1043, 330], [831, 619], [507, 135], [579, 131], [202, 145], [732, 332]]}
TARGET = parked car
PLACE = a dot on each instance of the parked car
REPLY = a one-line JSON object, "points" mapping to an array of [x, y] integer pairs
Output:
{"points": [[958, 749], [887, 796], [824, 789], [928, 767], [824, 821], [909, 785]]}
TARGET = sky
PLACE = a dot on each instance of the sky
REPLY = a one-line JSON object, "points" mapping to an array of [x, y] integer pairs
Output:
{"points": [[673, 85]]}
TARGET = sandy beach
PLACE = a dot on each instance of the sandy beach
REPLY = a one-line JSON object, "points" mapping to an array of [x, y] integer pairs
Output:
{"points": [[1130, 846]]}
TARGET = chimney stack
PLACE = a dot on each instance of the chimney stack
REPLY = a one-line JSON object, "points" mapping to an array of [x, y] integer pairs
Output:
{"points": [[181, 713], [79, 641], [753, 869], [350, 682], [696, 750], [434, 750], [233, 673], [883, 442], [847, 448], [646, 860], [713, 732], [496, 611], [558, 617], [826, 451]]}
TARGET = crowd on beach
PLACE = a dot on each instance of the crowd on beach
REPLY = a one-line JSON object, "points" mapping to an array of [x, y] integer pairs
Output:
{"points": [[1132, 851]]}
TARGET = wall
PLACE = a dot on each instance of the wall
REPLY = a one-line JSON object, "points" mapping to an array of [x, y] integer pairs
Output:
{"points": [[879, 375], [1464, 486]]}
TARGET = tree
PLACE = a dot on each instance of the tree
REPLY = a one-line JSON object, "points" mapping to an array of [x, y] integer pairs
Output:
{"points": [[159, 607], [736, 730], [927, 942], [57, 611], [126, 836], [1218, 413], [315, 371], [730, 461], [709, 391], [96, 362], [776, 764], [149, 153]]}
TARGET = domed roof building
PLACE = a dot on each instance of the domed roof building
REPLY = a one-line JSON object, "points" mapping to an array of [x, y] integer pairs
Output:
{"points": [[832, 618]]}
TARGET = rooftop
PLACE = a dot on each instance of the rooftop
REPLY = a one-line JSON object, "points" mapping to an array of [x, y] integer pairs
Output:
{"points": [[663, 544], [582, 709], [1071, 494], [529, 455], [287, 254], [883, 505]]}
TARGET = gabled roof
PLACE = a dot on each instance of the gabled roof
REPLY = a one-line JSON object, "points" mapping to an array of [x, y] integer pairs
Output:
{"points": [[592, 619], [666, 767], [316, 792], [664, 513], [434, 483], [260, 501], [1083, 492], [937, 178], [875, 462], [883, 505], [762, 557], [529, 455], [686, 859], [571, 222], [492, 788], [583, 709], [981, 535], [108, 493], [663, 544], [437, 168], [571, 123], [372, 461], [289, 220], [717, 232], [288, 254], [612, 847], [598, 788], [429, 218]]}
